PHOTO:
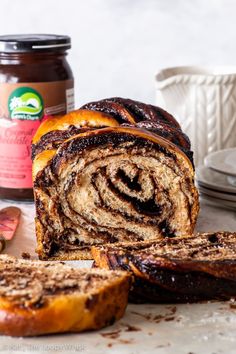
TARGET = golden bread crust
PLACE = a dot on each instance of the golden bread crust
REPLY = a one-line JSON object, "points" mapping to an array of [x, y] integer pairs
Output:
{"points": [[79, 118], [67, 313]]}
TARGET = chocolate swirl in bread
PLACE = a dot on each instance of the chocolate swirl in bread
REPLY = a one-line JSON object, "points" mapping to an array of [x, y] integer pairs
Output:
{"points": [[107, 185]]}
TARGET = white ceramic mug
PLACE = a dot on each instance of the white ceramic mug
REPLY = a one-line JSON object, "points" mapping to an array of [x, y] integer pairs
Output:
{"points": [[203, 100]]}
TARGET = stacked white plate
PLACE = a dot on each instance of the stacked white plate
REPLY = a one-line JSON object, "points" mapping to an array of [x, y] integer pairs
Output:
{"points": [[217, 178]]}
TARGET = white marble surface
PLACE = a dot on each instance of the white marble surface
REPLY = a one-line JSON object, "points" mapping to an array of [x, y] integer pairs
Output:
{"points": [[206, 328], [118, 45], [196, 329]]}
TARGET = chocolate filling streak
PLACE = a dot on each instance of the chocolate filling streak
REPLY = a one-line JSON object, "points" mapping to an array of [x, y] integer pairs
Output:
{"points": [[110, 186], [167, 131], [201, 267], [170, 133], [110, 138], [55, 138], [148, 208]]}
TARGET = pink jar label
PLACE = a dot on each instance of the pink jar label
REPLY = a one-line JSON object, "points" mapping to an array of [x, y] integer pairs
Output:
{"points": [[15, 153], [22, 108]]}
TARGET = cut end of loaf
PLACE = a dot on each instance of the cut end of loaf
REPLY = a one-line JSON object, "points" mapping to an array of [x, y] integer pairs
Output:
{"points": [[115, 184]]}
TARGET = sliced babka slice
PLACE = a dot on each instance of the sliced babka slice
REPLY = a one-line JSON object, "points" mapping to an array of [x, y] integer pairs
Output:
{"points": [[42, 297], [200, 267]]}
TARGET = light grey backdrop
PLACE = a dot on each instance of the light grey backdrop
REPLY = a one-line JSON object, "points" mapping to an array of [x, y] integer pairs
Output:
{"points": [[118, 45]]}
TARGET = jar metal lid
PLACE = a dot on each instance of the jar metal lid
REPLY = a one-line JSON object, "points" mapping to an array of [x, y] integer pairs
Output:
{"points": [[22, 43]]}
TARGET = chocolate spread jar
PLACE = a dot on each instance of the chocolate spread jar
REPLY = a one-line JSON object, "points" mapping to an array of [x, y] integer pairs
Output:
{"points": [[35, 82]]}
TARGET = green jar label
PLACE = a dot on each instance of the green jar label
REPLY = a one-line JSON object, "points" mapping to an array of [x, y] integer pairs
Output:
{"points": [[25, 103]]}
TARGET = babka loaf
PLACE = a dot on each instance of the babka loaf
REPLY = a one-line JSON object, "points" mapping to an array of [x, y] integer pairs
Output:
{"points": [[114, 171], [201, 267], [42, 297]]}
